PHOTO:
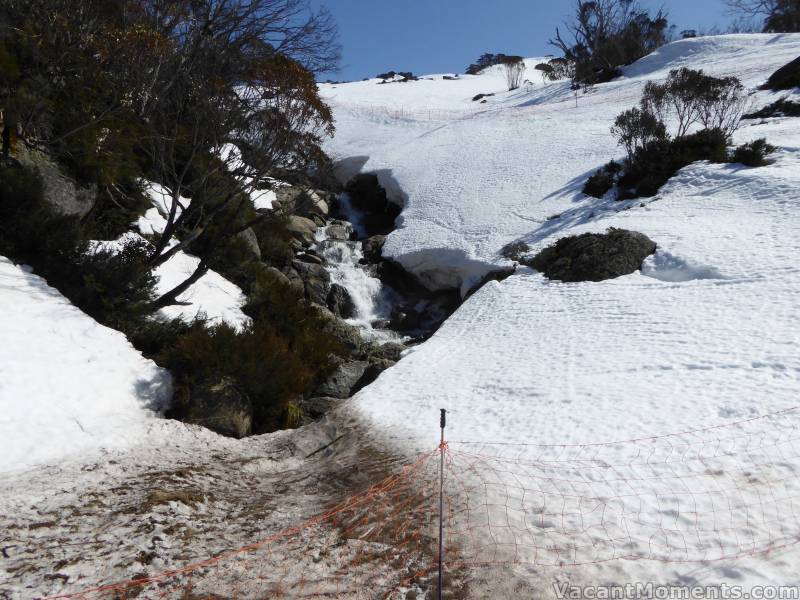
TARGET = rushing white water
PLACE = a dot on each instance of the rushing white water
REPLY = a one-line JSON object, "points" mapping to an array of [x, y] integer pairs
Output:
{"points": [[373, 301]]}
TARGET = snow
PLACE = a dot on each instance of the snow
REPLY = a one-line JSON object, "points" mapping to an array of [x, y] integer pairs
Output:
{"points": [[706, 335], [68, 386], [212, 297]]}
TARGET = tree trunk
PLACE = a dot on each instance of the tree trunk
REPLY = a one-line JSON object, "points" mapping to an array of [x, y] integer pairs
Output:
{"points": [[171, 297]]}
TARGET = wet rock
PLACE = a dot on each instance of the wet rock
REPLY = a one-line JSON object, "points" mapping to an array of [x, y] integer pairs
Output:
{"points": [[373, 371], [594, 256], [339, 231], [340, 302], [221, 407], [373, 248], [316, 281], [343, 383], [369, 197], [405, 318], [310, 257]]}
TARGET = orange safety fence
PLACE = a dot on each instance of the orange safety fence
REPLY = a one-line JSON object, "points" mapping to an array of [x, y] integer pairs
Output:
{"points": [[714, 494]]}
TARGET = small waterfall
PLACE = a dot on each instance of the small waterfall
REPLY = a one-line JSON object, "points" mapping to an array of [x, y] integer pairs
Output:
{"points": [[373, 301]]}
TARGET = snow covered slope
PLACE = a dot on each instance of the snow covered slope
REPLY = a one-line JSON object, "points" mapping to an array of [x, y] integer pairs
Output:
{"points": [[708, 332], [68, 386], [706, 335], [475, 179]]}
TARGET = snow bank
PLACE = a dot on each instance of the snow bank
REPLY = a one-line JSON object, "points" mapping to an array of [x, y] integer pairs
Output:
{"points": [[68, 385]]}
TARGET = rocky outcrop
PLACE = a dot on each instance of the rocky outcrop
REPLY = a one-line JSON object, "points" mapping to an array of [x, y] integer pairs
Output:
{"points": [[316, 281], [369, 197], [302, 229], [372, 248], [250, 241], [343, 383], [221, 407], [60, 191], [594, 256], [340, 302]]}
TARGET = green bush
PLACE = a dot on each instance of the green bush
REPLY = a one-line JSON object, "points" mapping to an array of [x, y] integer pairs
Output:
{"points": [[753, 154]]}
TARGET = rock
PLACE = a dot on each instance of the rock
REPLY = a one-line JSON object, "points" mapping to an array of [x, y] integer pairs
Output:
{"points": [[318, 205], [286, 197], [389, 351], [594, 256], [295, 280], [310, 257], [302, 229], [373, 248], [481, 97], [347, 335], [280, 277], [339, 231], [60, 191], [405, 318], [344, 380], [368, 196], [373, 371], [314, 409], [318, 220], [340, 302], [316, 281], [222, 408], [515, 251], [248, 236], [785, 78]]}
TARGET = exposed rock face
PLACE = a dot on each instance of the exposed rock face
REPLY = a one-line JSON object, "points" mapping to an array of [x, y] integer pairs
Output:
{"points": [[221, 407], [594, 256], [316, 281], [515, 251], [372, 248], [302, 229], [367, 195], [340, 302], [316, 408], [343, 383], [60, 191], [785, 78]]}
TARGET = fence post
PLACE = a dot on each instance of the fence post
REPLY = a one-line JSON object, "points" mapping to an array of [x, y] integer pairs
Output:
{"points": [[442, 420]]}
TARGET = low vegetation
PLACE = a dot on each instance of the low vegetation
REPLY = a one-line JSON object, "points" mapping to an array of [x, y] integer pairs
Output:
{"points": [[708, 107]]}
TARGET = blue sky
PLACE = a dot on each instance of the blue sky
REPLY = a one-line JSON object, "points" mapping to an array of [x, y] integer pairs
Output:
{"points": [[440, 36]]}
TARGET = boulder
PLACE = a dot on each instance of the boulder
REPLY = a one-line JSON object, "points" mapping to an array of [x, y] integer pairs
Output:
{"points": [[316, 281], [310, 257], [221, 407], [295, 280], [343, 383], [372, 248], [314, 409], [340, 302], [302, 229], [280, 277], [785, 78], [373, 371], [339, 230], [61, 192], [369, 197], [318, 205], [405, 318], [594, 256]]}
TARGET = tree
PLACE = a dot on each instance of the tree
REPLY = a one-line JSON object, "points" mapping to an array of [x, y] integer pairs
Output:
{"points": [[514, 67], [607, 34], [779, 16], [636, 128]]}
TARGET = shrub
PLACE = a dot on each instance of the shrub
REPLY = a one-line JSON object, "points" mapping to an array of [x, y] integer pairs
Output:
{"points": [[258, 360], [602, 181], [514, 68], [636, 128], [691, 97], [651, 166], [753, 154], [780, 108]]}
